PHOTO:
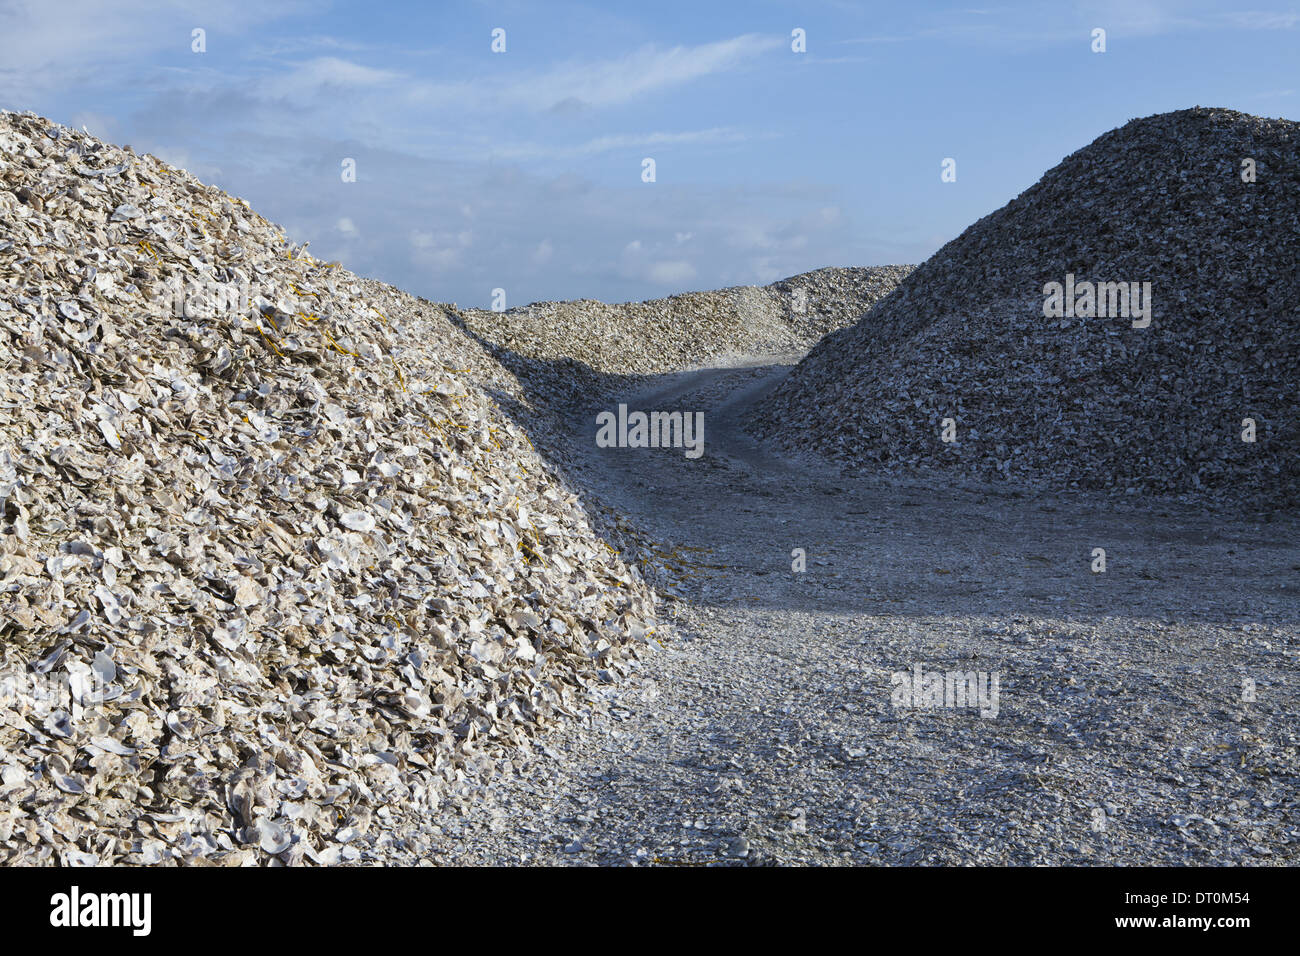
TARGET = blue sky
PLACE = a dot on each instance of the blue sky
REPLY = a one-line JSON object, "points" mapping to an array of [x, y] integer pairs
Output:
{"points": [[523, 169]]}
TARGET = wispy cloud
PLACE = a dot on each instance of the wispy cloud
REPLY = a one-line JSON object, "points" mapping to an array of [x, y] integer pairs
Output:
{"points": [[1033, 23], [874, 39], [1258, 20], [604, 144], [47, 46], [601, 83], [325, 76]]}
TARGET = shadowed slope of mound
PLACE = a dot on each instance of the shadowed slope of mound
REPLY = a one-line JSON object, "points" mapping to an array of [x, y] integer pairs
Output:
{"points": [[1089, 402]]}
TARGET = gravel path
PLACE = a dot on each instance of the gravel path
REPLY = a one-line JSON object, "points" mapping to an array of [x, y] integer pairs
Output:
{"points": [[763, 731]]}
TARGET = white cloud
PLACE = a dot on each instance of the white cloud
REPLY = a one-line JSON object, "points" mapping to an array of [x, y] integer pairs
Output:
{"points": [[453, 231], [325, 76], [438, 260], [603, 144], [873, 40], [46, 46], [750, 235], [647, 70], [1257, 20], [671, 272], [602, 83], [764, 270]]}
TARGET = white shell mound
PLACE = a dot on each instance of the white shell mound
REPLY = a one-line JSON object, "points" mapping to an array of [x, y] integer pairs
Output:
{"points": [[270, 558]]}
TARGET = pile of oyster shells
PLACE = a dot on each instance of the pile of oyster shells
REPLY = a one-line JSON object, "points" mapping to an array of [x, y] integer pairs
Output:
{"points": [[1203, 204], [272, 560], [687, 330]]}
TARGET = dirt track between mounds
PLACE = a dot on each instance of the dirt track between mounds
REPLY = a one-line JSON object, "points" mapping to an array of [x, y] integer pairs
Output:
{"points": [[763, 732]]}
